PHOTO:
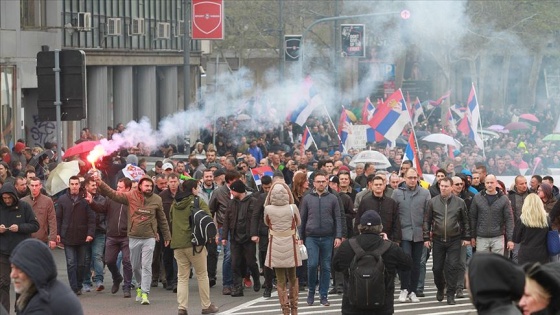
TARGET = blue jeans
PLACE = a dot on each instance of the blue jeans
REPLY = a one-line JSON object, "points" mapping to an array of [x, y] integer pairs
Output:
{"points": [[97, 261], [227, 277], [75, 264], [423, 261], [319, 247], [409, 278]]}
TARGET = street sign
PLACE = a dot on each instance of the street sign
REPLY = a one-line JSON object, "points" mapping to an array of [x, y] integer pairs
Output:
{"points": [[292, 47], [353, 40], [207, 19], [73, 90]]}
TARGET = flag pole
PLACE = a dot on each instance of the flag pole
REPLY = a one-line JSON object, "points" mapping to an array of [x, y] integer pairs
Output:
{"points": [[335, 128], [479, 121], [311, 136]]}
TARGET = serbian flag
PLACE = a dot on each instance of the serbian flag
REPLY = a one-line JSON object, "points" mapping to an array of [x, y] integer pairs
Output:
{"points": [[367, 111], [451, 123], [307, 139], [469, 124], [417, 111], [391, 117], [344, 129], [411, 153], [305, 103], [441, 99], [259, 172]]}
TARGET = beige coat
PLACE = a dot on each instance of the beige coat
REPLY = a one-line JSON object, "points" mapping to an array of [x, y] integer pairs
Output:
{"points": [[283, 250]]}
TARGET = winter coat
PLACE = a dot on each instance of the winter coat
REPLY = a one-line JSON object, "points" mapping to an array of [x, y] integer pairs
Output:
{"points": [[388, 211], [412, 205], [179, 215], [219, 203], [262, 228], [43, 207], [21, 214], [282, 218], [517, 200], [446, 219], [237, 212], [35, 259], [496, 283], [75, 219], [320, 215], [394, 259], [532, 243], [491, 220], [145, 213], [116, 217]]}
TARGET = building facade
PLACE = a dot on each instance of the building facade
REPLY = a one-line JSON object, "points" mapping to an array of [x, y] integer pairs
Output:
{"points": [[134, 61]]}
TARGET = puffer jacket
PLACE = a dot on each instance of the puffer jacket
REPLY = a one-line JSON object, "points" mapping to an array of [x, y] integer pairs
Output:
{"points": [[491, 220], [446, 218], [21, 214], [145, 213], [179, 215], [320, 215], [412, 205], [281, 216]]}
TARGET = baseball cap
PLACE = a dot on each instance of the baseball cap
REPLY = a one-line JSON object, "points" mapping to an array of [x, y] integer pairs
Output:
{"points": [[167, 166], [370, 218], [238, 186]]}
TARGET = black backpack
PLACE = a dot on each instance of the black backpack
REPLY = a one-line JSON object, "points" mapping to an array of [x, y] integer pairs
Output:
{"points": [[202, 226], [366, 281]]}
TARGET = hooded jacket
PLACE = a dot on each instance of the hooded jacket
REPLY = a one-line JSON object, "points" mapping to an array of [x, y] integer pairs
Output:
{"points": [[548, 277], [21, 214], [145, 211], [35, 259], [491, 220], [240, 222], [320, 215], [179, 216], [496, 283]]}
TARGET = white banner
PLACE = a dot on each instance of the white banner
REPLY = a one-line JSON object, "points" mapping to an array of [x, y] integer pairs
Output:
{"points": [[357, 137]]}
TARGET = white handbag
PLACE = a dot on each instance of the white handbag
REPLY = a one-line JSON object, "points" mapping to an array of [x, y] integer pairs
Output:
{"points": [[302, 248]]}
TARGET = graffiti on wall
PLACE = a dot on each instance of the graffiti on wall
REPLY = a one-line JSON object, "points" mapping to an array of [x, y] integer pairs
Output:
{"points": [[42, 131]]}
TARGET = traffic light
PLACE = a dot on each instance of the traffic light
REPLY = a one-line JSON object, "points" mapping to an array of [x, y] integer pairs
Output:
{"points": [[292, 46], [73, 94]]}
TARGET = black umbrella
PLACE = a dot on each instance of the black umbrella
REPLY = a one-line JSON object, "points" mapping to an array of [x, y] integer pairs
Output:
{"points": [[40, 157]]}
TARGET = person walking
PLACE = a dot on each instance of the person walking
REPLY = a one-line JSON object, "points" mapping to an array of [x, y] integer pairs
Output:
{"points": [[185, 255], [145, 216], [282, 217], [446, 229], [43, 207], [320, 229], [17, 223], [369, 239], [34, 275], [411, 201], [76, 228], [531, 230]]}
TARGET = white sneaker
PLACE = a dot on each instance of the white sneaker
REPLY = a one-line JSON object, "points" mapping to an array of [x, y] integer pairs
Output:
{"points": [[403, 296], [412, 296]]}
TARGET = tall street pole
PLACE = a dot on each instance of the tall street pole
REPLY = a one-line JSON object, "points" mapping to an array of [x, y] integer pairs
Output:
{"points": [[186, 53]]}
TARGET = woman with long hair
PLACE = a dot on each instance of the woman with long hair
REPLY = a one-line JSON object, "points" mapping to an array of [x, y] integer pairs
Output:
{"points": [[531, 230], [281, 216], [300, 186], [547, 196]]}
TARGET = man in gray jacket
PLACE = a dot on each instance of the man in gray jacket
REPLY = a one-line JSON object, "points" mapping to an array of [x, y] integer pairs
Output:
{"points": [[491, 219], [411, 200], [321, 228], [446, 228]]}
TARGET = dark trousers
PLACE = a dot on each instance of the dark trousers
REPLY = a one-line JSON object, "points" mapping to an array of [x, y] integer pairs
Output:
{"points": [[243, 256], [268, 273], [170, 266], [75, 264], [5, 281], [212, 259], [338, 277], [447, 258], [113, 246], [156, 260], [409, 278]]}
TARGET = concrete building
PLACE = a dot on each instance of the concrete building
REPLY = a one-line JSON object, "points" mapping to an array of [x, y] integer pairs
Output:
{"points": [[134, 58]]}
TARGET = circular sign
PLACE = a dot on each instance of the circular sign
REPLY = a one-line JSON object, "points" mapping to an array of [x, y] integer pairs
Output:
{"points": [[405, 14]]}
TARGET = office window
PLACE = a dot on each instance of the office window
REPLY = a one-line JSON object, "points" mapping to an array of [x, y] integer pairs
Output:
{"points": [[33, 14]]}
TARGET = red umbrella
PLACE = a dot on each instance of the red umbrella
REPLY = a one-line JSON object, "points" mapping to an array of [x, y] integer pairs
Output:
{"points": [[517, 126], [82, 147], [529, 117]]}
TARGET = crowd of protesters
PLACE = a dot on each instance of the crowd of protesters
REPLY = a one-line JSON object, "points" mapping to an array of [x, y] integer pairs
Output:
{"points": [[104, 213]]}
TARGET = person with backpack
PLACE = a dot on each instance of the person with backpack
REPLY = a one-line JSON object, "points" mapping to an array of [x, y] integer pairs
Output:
{"points": [[369, 264], [184, 205]]}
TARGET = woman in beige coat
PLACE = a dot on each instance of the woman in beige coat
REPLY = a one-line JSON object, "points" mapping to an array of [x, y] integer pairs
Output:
{"points": [[282, 218]]}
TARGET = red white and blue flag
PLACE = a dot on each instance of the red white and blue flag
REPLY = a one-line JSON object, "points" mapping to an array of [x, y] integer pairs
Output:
{"points": [[367, 111], [411, 153], [391, 117], [451, 123], [304, 103], [307, 139], [417, 111], [344, 129], [469, 124], [440, 100], [259, 172]]}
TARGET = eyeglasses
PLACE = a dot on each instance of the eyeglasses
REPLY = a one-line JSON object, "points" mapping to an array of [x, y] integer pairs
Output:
{"points": [[458, 184], [320, 181]]}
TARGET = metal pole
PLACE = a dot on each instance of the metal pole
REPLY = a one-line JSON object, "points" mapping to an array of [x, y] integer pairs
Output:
{"points": [[186, 54], [281, 53], [58, 103], [215, 91]]}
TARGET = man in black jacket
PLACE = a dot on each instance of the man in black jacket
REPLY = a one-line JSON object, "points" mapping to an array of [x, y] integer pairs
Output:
{"points": [[239, 227], [394, 258], [266, 184], [17, 222], [76, 228], [446, 226]]}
